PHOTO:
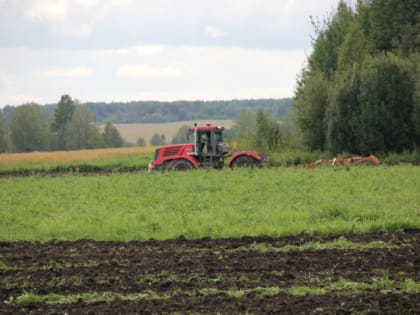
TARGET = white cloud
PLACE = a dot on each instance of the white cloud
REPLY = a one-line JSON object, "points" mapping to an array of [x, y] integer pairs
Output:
{"points": [[215, 32], [76, 72], [147, 50], [146, 71], [72, 18], [138, 50], [56, 10], [19, 99], [46, 10]]}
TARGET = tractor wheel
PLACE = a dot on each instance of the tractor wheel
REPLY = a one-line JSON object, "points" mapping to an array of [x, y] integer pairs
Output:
{"points": [[180, 165], [245, 161]]}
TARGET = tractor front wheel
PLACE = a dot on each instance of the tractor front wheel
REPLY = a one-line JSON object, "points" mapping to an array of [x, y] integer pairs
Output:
{"points": [[245, 161], [180, 165]]}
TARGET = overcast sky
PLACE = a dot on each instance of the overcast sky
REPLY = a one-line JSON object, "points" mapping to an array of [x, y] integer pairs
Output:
{"points": [[122, 50]]}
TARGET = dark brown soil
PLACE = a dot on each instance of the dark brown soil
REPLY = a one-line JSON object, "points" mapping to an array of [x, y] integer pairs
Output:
{"points": [[202, 276]]}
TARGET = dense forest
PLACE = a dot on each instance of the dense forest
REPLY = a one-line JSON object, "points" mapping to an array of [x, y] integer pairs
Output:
{"points": [[360, 90]]}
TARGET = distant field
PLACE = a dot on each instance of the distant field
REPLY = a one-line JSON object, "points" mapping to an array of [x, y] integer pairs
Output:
{"points": [[131, 132], [44, 158]]}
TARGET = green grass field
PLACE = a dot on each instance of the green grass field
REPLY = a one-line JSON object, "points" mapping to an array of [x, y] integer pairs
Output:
{"points": [[275, 201]]}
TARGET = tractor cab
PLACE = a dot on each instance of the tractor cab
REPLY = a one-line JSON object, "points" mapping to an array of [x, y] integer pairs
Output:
{"points": [[209, 148]]}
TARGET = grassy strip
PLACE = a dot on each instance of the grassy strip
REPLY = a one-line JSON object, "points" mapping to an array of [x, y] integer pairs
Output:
{"points": [[276, 202], [4, 266], [29, 298], [340, 243], [343, 287]]}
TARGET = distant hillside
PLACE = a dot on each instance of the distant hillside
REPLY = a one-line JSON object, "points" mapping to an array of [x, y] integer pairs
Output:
{"points": [[158, 112]]}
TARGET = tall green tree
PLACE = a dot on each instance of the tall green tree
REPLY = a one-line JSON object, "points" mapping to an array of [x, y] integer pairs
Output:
{"points": [[141, 142], [181, 135], [267, 135], [391, 23], [387, 104], [245, 128], [3, 142], [311, 95], [416, 103], [111, 136], [311, 102], [354, 48], [344, 127], [81, 133], [329, 36], [289, 131], [157, 139], [28, 129], [62, 117]]}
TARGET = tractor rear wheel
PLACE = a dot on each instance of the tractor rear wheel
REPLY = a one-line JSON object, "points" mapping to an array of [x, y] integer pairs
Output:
{"points": [[245, 161], [180, 165]]}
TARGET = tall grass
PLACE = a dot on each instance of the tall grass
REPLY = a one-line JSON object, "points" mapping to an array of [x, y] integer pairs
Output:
{"points": [[276, 201]]}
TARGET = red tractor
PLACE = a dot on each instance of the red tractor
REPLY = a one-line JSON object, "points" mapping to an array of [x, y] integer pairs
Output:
{"points": [[207, 151]]}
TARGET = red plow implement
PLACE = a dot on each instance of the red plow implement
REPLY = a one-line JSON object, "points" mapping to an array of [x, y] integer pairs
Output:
{"points": [[352, 161]]}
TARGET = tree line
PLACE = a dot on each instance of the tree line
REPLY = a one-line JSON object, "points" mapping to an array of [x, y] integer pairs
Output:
{"points": [[360, 90], [158, 112], [69, 125], [27, 128]]}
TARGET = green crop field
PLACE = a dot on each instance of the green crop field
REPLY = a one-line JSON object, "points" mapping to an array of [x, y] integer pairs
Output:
{"points": [[275, 201]]}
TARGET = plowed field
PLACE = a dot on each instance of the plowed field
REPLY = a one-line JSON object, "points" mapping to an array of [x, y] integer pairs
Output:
{"points": [[371, 273]]}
